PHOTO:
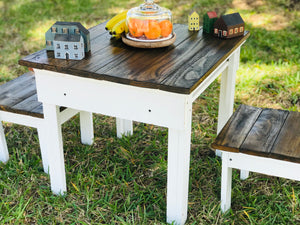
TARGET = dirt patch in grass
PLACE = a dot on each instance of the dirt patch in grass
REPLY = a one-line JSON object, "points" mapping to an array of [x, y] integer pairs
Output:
{"points": [[247, 4], [263, 14]]}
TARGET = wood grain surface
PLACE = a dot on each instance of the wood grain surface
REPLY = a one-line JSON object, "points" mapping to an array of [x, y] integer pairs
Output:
{"points": [[264, 132], [19, 96], [179, 68]]}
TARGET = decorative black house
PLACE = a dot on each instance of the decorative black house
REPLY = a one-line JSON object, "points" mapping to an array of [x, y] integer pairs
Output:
{"points": [[229, 26]]}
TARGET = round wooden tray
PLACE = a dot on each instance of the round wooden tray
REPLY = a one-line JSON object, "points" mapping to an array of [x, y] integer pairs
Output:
{"points": [[154, 44]]}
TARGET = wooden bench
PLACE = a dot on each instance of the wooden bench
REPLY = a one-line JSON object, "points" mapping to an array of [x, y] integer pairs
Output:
{"points": [[19, 104], [260, 140]]}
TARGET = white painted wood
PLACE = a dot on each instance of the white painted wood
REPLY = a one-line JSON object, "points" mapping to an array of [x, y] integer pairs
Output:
{"points": [[55, 146], [124, 127], [226, 183], [130, 103], [125, 101], [42, 134], [86, 128], [244, 174], [227, 90], [4, 156], [66, 114], [39, 123], [178, 169], [20, 119], [202, 87], [268, 166], [258, 164]]}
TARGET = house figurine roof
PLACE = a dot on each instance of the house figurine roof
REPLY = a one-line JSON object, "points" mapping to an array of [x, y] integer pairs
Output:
{"points": [[232, 19], [193, 11], [79, 25], [212, 14]]}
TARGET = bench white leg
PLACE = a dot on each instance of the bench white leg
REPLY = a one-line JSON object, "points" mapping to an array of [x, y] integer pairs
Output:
{"points": [[226, 182], [244, 174], [86, 128], [4, 156], [55, 150], [124, 127], [42, 134]]}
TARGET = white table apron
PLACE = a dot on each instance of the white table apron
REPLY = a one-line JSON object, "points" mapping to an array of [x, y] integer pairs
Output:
{"points": [[131, 103]]}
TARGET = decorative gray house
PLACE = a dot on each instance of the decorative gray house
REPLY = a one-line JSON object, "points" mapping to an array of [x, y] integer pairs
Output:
{"points": [[69, 46], [68, 40]]}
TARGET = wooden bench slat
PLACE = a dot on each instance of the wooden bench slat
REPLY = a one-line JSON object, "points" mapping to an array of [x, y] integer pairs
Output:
{"points": [[19, 96], [28, 105], [39, 111], [287, 144], [25, 78], [236, 129], [16, 91], [16, 96], [270, 133], [262, 135]]}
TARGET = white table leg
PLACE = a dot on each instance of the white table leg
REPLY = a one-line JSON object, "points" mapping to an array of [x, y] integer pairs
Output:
{"points": [[178, 175], [4, 156], [86, 128], [42, 134], [226, 183], [227, 90], [124, 127], [227, 96], [179, 145], [244, 174], [55, 149]]}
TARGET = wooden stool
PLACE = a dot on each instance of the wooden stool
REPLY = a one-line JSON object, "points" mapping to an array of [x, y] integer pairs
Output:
{"points": [[260, 140], [19, 104]]}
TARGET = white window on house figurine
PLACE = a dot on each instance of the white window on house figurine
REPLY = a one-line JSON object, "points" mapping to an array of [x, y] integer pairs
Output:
{"points": [[216, 31], [76, 56], [77, 31], [230, 31], [58, 46], [224, 33], [65, 30], [49, 43], [241, 29], [76, 47], [236, 30], [66, 47], [53, 29], [58, 54]]}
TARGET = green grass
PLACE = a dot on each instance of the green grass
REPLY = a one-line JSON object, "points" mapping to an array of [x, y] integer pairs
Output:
{"points": [[123, 181]]}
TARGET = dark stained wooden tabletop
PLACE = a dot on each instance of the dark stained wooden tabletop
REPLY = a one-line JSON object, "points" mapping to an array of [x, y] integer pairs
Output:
{"points": [[178, 68]]}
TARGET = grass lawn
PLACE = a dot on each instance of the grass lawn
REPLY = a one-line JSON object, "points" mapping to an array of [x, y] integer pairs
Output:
{"points": [[123, 181]]}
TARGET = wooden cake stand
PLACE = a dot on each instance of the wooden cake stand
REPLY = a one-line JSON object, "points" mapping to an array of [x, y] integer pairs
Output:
{"points": [[149, 44]]}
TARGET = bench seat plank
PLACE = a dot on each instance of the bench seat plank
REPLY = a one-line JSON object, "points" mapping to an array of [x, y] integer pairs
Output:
{"points": [[270, 133], [236, 129], [287, 145], [20, 96], [264, 131], [30, 104]]}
